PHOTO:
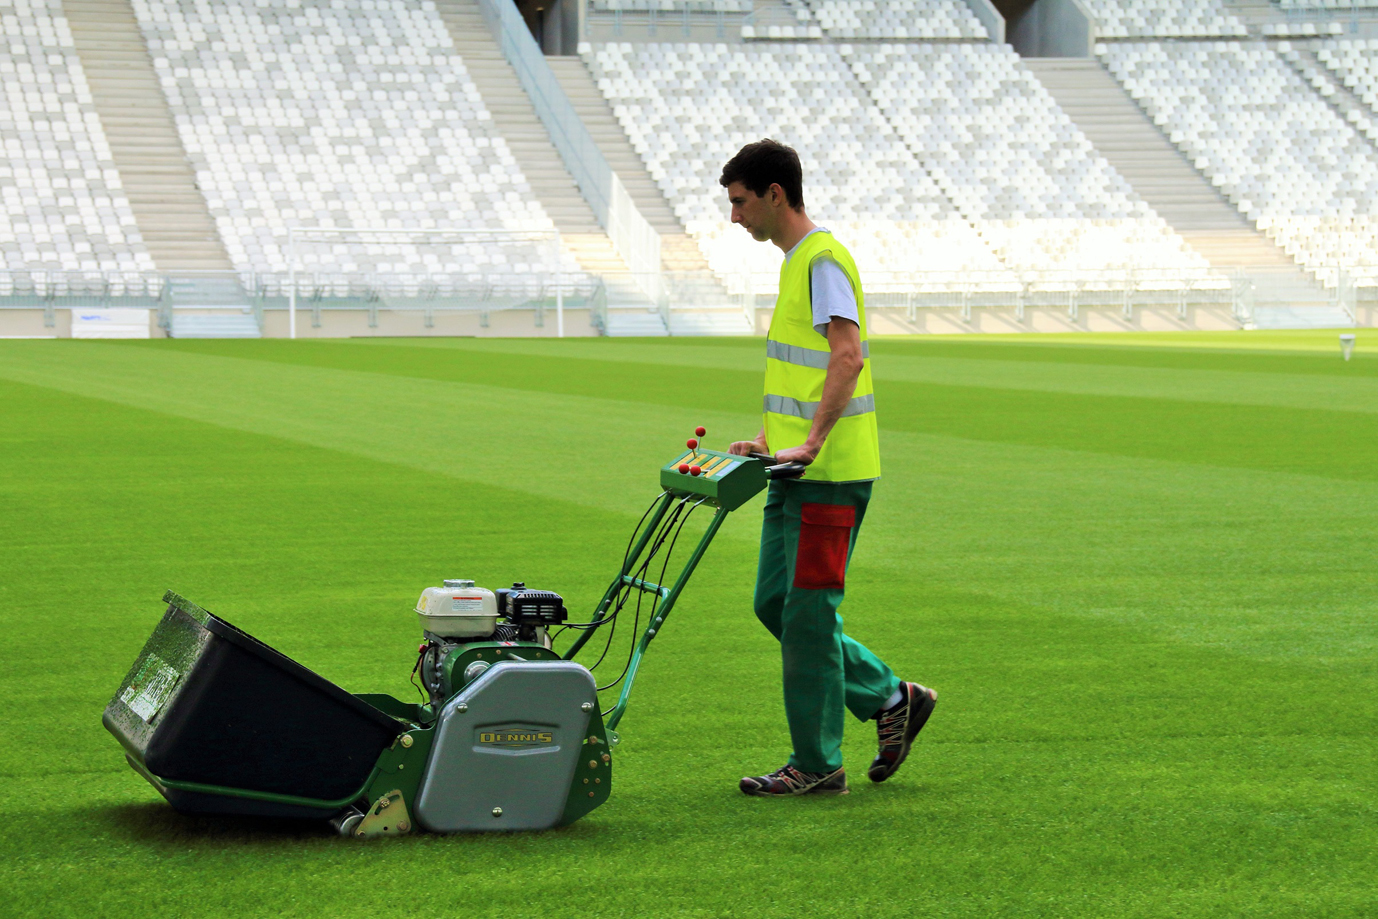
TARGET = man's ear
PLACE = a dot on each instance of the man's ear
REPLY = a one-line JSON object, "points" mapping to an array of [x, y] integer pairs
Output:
{"points": [[776, 194]]}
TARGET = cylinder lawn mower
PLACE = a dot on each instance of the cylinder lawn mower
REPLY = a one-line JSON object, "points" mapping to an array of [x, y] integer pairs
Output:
{"points": [[509, 735]]}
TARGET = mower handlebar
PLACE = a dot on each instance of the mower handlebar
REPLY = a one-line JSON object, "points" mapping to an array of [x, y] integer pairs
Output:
{"points": [[776, 470]]}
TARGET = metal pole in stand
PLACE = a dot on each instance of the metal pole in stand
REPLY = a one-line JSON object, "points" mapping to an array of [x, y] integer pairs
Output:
{"points": [[559, 292], [291, 284]]}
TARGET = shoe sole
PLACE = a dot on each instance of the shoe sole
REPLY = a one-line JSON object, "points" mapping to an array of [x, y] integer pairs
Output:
{"points": [[911, 731], [811, 790], [836, 793]]}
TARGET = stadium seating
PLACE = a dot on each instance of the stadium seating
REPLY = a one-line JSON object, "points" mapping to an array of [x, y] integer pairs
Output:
{"points": [[687, 108], [1016, 165], [1330, 6], [1163, 18], [1355, 62], [1292, 29], [939, 162], [900, 19], [1267, 140], [1326, 80], [673, 6], [792, 20], [61, 207], [348, 113]]}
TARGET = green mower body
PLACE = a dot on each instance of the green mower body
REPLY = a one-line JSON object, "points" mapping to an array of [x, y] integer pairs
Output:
{"points": [[221, 723], [509, 734]]}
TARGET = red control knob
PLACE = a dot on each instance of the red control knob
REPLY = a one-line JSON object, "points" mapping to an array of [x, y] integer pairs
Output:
{"points": [[700, 430], [684, 468], [695, 470], [691, 443]]}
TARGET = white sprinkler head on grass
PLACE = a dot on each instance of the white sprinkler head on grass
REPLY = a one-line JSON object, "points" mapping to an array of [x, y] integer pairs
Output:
{"points": [[1346, 344]]}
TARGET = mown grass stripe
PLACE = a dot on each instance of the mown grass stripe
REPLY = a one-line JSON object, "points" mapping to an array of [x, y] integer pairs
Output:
{"points": [[1311, 441]]}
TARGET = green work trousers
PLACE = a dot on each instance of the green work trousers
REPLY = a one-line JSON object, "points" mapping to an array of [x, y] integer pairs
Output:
{"points": [[806, 543]]}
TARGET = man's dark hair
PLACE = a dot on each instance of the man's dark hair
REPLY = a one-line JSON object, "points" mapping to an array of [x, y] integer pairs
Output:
{"points": [[763, 164]]}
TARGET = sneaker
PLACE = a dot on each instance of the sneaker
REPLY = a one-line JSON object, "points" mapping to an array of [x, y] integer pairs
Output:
{"points": [[897, 727], [791, 781]]}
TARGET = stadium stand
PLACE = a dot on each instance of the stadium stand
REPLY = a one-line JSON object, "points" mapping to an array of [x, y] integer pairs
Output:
{"points": [[1300, 29], [1163, 18], [946, 161], [1158, 171], [670, 6], [1271, 144], [1304, 58], [515, 119], [64, 212], [154, 173], [339, 115], [679, 253], [688, 107], [773, 20], [1355, 62], [901, 19], [1016, 166], [1334, 6], [681, 20], [1269, 19]]}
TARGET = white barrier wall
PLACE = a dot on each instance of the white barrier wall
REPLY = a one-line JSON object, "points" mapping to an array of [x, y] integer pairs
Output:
{"points": [[111, 323]]}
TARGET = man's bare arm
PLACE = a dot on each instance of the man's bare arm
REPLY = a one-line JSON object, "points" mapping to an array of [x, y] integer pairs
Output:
{"points": [[844, 368]]}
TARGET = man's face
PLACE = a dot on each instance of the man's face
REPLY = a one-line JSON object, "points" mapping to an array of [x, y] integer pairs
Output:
{"points": [[752, 211]]}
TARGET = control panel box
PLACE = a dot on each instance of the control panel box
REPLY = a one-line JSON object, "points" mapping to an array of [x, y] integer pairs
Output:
{"points": [[727, 480]]}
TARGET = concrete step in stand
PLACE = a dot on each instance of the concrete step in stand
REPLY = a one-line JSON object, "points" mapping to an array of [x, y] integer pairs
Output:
{"points": [[635, 323], [215, 325]]}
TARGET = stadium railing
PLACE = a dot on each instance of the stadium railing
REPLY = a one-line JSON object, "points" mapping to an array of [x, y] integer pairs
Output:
{"points": [[1346, 295]]}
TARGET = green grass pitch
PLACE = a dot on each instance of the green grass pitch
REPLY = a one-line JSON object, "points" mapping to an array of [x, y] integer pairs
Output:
{"points": [[1139, 570]]}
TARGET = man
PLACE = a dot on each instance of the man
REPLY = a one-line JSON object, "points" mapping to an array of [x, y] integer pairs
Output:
{"points": [[819, 410]]}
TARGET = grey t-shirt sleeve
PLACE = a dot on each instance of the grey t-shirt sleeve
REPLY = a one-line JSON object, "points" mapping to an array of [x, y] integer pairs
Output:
{"points": [[831, 294]]}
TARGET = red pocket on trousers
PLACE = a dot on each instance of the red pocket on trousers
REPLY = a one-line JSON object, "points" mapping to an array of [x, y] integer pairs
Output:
{"points": [[825, 532]]}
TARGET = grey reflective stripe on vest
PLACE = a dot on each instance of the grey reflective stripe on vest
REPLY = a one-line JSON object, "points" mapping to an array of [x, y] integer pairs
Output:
{"points": [[805, 357], [784, 405]]}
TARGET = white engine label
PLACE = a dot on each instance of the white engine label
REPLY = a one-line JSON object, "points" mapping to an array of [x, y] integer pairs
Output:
{"points": [[467, 604], [150, 689]]}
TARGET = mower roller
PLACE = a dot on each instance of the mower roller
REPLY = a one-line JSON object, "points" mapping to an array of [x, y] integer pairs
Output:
{"points": [[509, 734]]}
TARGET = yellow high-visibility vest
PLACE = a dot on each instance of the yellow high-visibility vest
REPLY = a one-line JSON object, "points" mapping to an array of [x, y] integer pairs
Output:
{"points": [[797, 363]]}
